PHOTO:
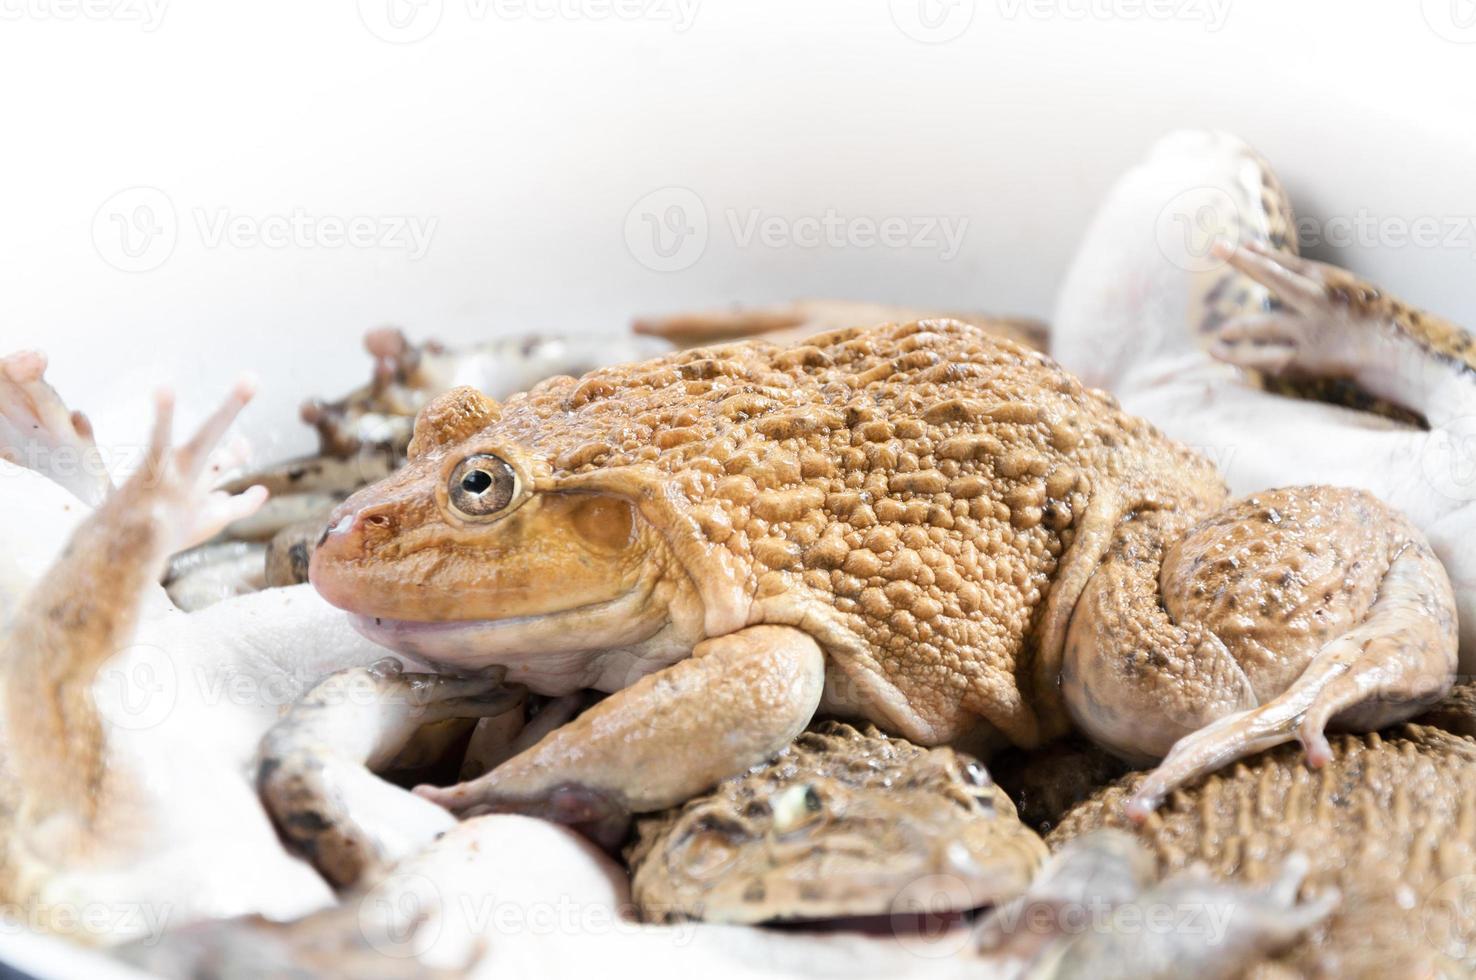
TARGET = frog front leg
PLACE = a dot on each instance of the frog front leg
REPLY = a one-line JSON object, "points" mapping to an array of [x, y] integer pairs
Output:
{"points": [[1269, 620], [732, 704], [315, 768], [1331, 324], [86, 608], [39, 432]]}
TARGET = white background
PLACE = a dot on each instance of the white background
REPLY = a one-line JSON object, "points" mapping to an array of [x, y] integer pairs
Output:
{"points": [[528, 131]]}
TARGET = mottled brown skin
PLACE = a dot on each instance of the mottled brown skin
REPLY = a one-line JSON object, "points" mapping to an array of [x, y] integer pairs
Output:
{"points": [[1390, 822], [910, 516], [838, 824]]}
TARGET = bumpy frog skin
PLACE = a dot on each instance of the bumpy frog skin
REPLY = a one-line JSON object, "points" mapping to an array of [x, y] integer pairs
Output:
{"points": [[917, 525], [1188, 332], [1389, 824], [840, 824]]}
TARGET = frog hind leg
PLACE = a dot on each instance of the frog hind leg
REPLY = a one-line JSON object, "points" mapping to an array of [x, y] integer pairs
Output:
{"points": [[1330, 325], [1266, 622], [39, 432]]}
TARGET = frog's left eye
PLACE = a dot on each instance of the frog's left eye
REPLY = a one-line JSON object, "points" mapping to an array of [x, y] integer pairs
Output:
{"points": [[482, 485]]}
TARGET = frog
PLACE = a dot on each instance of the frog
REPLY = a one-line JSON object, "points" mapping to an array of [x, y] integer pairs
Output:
{"points": [[838, 826], [1220, 336], [918, 525], [130, 728], [1388, 825], [475, 903]]}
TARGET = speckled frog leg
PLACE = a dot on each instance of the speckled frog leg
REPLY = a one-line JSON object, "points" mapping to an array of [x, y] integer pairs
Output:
{"points": [[39, 432], [732, 704], [315, 766], [1331, 324], [1278, 615], [86, 608]]}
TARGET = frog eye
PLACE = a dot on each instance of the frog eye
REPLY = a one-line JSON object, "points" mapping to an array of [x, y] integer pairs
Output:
{"points": [[482, 485], [975, 774], [795, 807]]}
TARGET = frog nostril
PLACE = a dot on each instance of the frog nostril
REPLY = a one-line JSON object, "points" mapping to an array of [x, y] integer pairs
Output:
{"points": [[377, 521], [338, 527]]}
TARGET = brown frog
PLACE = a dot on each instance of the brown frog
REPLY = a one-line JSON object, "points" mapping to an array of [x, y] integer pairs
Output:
{"points": [[917, 525], [1389, 823], [839, 824]]}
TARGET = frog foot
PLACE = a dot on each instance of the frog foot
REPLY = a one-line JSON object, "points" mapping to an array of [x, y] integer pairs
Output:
{"points": [[177, 484], [1326, 323], [39, 432], [597, 814]]}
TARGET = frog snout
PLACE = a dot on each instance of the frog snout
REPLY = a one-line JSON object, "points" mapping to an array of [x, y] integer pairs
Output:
{"points": [[350, 534]]}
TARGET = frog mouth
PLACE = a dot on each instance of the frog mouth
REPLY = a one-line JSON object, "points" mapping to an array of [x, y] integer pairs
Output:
{"points": [[479, 642]]}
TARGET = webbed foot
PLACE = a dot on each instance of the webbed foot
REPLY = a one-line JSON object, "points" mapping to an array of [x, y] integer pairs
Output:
{"points": [[1331, 325], [39, 432]]}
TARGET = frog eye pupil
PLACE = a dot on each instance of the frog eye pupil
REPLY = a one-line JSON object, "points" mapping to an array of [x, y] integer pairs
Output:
{"points": [[483, 485]]}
